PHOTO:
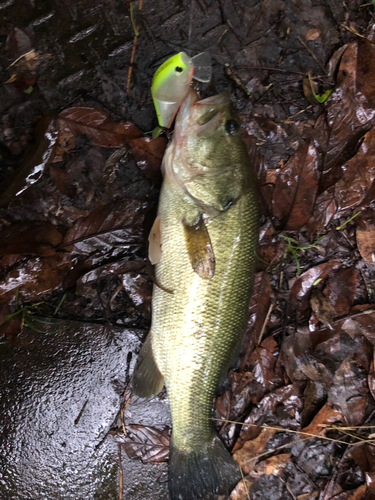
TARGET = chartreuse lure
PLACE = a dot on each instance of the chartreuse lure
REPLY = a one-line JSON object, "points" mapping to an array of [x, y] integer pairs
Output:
{"points": [[172, 80]]}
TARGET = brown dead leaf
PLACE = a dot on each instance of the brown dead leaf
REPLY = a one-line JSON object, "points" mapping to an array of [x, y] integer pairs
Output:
{"points": [[324, 209], [259, 305], [341, 289], [357, 494], [273, 465], [350, 110], [361, 324], [349, 392], [147, 443], [364, 456], [312, 34], [246, 455], [321, 307], [37, 238], [35, 277], [300, 292], [118, 223], [327, 416], [96, 124], [366, 243], [241, 491], [17, 43], [11, 327], [357, 185], [262, 364], [296, 188]]}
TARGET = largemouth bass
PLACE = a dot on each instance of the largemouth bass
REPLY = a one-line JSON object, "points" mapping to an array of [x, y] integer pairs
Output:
{"points": [[203, 244]]}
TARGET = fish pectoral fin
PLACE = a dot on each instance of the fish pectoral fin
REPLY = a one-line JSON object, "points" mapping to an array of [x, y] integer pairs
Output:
{"points": [[147, 379], [154, 242], [199, 247]]}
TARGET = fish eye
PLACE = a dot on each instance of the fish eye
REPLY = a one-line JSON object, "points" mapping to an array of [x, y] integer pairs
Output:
{"points": [[178, 69], [231, 127]]}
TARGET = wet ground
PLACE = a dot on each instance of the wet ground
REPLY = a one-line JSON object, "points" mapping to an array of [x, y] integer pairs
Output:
{"points": [[79, 189], [61, 392]]}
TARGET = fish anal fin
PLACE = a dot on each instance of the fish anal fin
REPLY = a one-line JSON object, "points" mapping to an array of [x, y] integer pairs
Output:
{"points": [[147, 379], [199, 247], [154, 242]]}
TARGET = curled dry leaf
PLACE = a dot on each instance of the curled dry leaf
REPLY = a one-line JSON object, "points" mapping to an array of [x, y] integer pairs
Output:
{"points": [[296, 188], [37, 238], [96, 124], [149, 444], [300, 292]]}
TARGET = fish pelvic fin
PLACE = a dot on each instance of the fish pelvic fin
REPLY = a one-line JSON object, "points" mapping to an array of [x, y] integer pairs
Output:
{"points": [[202, 474], [147, 379]]}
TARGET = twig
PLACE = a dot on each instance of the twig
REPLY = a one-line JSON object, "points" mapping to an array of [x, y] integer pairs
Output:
{"points": [[136, 34], [288, 488], [244, 483], [120, 486], [282, 429], [354, 31], [265, 68], [265, 324], [312, 54], [124, 405], [296, 114]]}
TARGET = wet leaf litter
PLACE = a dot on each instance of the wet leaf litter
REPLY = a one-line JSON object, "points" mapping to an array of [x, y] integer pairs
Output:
{"points": [[296, 361]]}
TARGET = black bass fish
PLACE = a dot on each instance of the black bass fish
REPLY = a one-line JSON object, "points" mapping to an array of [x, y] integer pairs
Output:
{"points": [[203, 244]]}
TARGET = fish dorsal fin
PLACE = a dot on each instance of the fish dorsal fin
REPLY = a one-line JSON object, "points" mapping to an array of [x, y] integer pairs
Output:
{"points": [[147, 379], [199, 247], [154, 242]]}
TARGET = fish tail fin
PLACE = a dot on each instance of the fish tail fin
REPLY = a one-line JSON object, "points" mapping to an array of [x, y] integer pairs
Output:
{"points": [[147, 379], [202, 473]]}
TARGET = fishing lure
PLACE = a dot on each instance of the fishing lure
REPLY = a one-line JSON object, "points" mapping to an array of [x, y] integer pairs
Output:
{"points": [[172, 81]]}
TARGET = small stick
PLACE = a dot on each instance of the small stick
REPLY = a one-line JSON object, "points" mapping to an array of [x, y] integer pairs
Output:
{"points": [[312, 54], [296, 114], [265, 324], [136, 34], [120, 486]]}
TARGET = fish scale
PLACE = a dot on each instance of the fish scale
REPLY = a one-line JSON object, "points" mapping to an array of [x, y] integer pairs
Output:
{"points": [[219, 305]]}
